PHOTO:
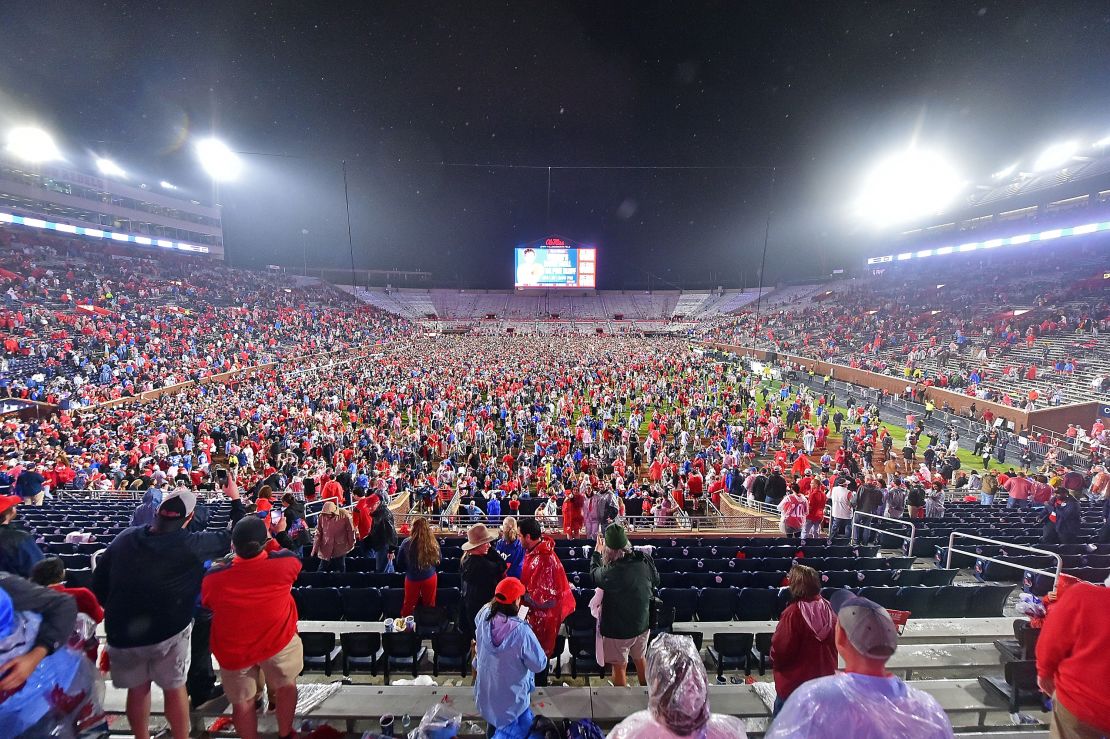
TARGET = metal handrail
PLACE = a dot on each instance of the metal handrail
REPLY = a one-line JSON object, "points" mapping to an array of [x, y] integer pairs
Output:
{"points": [[911, 524], [753, 523], [321, 501], [757, 505], [952, 550]]}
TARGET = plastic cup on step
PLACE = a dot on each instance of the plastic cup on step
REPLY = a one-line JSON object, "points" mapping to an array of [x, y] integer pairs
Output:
{"points": [[385, 725]]}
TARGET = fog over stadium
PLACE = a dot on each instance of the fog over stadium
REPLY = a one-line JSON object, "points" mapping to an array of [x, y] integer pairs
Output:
{"points": [[824, 94]]}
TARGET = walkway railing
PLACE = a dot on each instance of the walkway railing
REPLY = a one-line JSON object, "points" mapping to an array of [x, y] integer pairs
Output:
{"points": [[902, 522], [320, 502], [953, 550], [744, 523]]}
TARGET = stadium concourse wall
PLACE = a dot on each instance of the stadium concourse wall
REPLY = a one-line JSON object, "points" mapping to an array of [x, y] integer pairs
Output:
{"points": [[1055, 418]]}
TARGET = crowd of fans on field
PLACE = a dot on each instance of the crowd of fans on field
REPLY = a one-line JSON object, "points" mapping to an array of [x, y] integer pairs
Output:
{"points": [[601, 430]]}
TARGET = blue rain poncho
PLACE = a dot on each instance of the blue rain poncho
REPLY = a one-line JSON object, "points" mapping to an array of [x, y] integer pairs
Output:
{"points": [[508, 656], [62, 697]]}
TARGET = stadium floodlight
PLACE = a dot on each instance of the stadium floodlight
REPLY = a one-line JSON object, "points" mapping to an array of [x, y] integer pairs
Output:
{"points": [[1005, 172], [1102, 143], [167, 185], [32, 144], [1056, 155], [219, 161], [108, 168], [908, 185]]}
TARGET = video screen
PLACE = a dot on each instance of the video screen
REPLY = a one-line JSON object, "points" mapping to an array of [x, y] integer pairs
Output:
{"points": [[545, 267]]}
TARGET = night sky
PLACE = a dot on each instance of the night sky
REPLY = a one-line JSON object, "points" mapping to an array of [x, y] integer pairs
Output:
{"points": [[818, 90]]}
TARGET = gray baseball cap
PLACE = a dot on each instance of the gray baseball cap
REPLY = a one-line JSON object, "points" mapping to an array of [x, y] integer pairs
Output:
{"points": [[867, 625]]}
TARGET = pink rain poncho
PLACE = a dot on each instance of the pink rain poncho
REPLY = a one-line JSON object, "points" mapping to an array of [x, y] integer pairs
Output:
{"points": [[678, 697]]}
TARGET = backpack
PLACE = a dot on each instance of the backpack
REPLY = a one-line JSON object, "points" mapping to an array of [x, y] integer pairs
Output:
{"points": [[582, 729], [299, 533], [545, 728]]}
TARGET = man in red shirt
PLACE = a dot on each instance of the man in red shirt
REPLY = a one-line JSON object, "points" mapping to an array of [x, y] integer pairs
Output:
{"points": [[254, 626], [1071, 662], [1020, 487]]}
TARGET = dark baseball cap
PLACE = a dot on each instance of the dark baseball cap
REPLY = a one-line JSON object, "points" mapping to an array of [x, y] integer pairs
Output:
{"points": [[867, 625], [249, 536]]}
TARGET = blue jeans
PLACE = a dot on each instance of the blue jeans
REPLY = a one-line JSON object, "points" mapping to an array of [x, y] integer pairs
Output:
{"points": [[839, 527], [779, 703], [1017, 503], [861, 535], [381, 558], [986, 499]]}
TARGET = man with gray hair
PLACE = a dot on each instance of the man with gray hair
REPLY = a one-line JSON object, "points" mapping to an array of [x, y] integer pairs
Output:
{"points": [[628, 579]]}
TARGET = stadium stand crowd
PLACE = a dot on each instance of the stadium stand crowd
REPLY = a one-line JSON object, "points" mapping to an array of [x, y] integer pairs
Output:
{"points": [[1005, 330]]}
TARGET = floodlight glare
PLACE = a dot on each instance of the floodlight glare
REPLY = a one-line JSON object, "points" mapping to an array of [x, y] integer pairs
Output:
{"points": [[1056, 155], [108, 168], [908, 185], [167, 185], [220, 162], [32, 144], [1005, 172]]}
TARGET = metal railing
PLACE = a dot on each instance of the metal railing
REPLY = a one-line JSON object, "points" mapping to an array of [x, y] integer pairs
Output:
{"points": [[769, 509], [460, 522], [310, 514], [952, 550], [913, 528]]}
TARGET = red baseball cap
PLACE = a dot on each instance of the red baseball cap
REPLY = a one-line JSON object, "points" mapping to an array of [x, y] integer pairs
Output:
{"points": [[508, 590], [9, 501]]}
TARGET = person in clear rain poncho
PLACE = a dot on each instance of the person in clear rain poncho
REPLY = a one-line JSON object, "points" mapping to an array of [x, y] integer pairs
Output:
{"points": [[864, 701], [678, 697]]}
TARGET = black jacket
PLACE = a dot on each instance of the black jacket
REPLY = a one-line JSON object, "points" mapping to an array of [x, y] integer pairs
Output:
{"points": [[294, 511], [1068, 520], [149, 583], [870, 499], [479, 577], [383, 531], [29, 484], [776, 488], [18, 551], [58, 610]]}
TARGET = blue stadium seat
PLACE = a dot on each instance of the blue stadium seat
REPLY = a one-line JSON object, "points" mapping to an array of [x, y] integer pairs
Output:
{"points": [[717, 604]]}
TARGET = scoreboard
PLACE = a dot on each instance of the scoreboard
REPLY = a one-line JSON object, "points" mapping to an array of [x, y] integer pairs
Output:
{"points": [[553, 263]]}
